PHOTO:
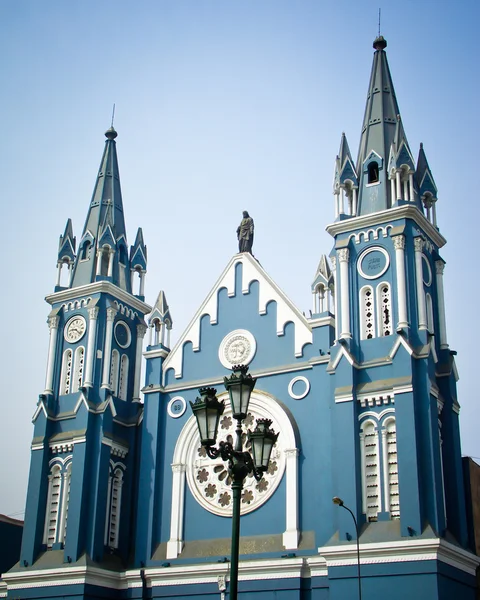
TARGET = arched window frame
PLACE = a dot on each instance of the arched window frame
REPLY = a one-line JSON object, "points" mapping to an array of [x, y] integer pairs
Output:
{"points": [[114, 504], [114, 367], [367, 323], [390, 467], [384, 322], [78, 369], [58, 497], [373, 172], [371, 478], [123, 378], [430, 317], [66, 373]]}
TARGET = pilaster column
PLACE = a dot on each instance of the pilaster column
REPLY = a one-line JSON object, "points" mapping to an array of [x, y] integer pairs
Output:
{"points": [[99, 261], [142, 283], [111, 254], [141, 331], [399, 245], [175, 543], [52, 348], [333, 260], [343, 257], [59, 271], [422, 311], [169, 330], [354, 210], [393, 192], [321, 298], [410, 183], [291, 533], [314, 302], [434, 212], [439, 267], [91, 351], [337, 203], [399, 185], [107, 352]]}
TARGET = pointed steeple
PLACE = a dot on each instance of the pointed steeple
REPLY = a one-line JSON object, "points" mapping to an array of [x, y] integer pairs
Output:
{"points": [[103, 247], [345, 180], [322, 286], [383, 149], [427, 189], [160, 322]]}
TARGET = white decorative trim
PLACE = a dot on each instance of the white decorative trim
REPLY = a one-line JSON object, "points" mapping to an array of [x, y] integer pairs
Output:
{"points": [[378, 399], [116, 449], [406, 211], [428, 283], [99, 287], [374, 232], [237, 348], [127, 329], [268, 291], [185, 453], [365, 253], [305, 391], [175, 414], [402, 551]]}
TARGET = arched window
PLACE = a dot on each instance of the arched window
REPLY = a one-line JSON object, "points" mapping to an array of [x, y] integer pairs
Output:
{"points": [[105, 258], [65, 502], [78, 372], [53, 506], [373, 172], [114, 372], [123, 380], [367, 313], [114, 501], [430, 321], [123, 255], [370, 470], [85, 253], [66, 376], [391, 468], [384, 305]]}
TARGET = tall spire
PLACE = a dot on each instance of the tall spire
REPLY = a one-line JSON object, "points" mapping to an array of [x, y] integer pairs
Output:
{"points": [[103, 247], [383, 142]]}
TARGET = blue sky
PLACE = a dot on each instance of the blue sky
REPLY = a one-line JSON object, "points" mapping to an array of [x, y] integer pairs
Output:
{"points": [[221, 106]]}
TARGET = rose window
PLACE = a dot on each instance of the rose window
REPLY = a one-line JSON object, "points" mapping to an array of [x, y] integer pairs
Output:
{"points": [[210, 481]]}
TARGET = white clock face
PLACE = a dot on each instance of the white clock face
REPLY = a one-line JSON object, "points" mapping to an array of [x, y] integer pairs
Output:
{"points": [[75, 329]]}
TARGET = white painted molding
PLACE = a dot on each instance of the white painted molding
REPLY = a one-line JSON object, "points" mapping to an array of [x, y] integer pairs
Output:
{"points": [[268, 291], [302, 394]]}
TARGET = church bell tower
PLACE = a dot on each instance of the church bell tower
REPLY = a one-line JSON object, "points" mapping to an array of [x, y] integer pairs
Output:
{"points": [[80, 497]]}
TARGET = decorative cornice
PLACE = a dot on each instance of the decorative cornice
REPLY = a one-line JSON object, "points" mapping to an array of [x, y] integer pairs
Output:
{"points": [[99, 287], [406, 211]]}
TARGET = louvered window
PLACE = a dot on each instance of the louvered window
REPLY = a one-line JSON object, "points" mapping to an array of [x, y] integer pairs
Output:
{"points": [[392, 472], [122, 385], [113, 509], [114, 372], [66, 377], [371, 471], [384, 309], [66, 501], [367, 313], [53, 506], [78, 372]]}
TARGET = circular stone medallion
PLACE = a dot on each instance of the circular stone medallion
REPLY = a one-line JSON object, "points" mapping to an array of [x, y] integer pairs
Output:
{"points": [[373, 262], [237, 348]]}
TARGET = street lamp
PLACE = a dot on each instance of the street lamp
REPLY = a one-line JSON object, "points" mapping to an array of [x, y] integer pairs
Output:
{"points": [[208, 410], [339, 502]]}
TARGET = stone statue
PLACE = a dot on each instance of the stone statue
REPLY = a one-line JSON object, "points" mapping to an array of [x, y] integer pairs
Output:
{"points": [[245, 233]]}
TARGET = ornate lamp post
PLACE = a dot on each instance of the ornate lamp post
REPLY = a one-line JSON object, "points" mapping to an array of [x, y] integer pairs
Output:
{"points": [[208, 410], [339, 502]]}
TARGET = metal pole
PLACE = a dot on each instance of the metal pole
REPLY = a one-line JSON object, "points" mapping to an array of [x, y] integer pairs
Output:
{"points": [[236, 492], [358, 552]]}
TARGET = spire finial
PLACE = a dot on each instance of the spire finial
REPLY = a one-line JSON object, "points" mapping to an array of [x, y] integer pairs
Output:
{"points": [[111, 134], [379, 19]]}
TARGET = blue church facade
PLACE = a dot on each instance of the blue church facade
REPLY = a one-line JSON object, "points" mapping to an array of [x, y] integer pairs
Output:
{"points": [[123, 501]]}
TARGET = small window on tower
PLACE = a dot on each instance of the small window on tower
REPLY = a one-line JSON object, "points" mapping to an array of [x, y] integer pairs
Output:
{"points": [[373, 172], [85, 250]]}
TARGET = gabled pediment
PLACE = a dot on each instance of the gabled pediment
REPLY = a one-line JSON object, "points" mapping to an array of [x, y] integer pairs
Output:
{"points": [[268, 291]]}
